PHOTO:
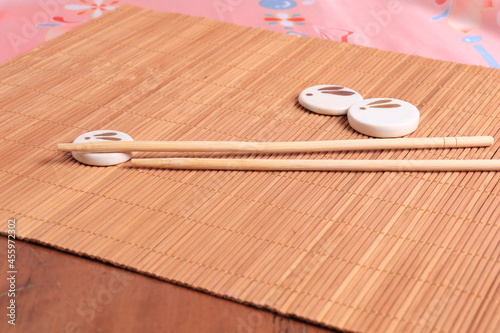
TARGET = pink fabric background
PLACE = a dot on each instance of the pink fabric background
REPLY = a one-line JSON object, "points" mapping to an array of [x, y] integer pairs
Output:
{"points": [[465, 31]]}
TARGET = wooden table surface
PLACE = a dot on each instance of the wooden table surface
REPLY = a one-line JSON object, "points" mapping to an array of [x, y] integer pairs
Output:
{"points": [[60, 292]]}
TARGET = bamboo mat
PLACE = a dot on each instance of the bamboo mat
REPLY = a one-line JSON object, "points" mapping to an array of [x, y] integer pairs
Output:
{"points": [[357, 251]]}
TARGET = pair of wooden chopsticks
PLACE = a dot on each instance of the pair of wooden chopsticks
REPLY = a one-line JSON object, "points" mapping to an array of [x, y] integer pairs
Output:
{"points": [[289, 147]]}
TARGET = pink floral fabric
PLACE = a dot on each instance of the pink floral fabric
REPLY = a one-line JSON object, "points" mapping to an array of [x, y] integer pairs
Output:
{"points": [[465, 31]]}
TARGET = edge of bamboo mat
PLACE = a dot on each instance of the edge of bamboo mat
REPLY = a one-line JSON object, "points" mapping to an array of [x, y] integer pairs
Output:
{"points": [[129, 268]]}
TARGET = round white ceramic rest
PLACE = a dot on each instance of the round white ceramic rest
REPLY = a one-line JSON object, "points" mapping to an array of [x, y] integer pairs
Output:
{"points": [[383, 117], [102, 159], [328, 99]]}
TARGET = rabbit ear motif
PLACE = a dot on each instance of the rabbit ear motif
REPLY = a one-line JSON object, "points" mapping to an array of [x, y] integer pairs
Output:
{"points": [[382, 104], [329, 99], [109, 136]]}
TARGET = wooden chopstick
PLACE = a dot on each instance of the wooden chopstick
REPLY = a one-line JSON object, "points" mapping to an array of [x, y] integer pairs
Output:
{"points": [[318, 165], [278, 147]]}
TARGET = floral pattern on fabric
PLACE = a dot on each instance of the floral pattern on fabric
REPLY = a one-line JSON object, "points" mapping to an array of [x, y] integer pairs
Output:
{"points": [[465, 31]]}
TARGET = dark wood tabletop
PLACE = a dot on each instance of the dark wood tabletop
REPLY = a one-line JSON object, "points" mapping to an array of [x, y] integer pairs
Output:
{"points": [[60, 292]]}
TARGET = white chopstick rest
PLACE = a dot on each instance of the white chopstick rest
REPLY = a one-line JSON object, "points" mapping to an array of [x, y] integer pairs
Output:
{"points": [[102, 159], [384, 117], [329, 99]]}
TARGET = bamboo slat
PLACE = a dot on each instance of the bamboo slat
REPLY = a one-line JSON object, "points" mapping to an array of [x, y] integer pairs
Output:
{"points": [[358, 251]]}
